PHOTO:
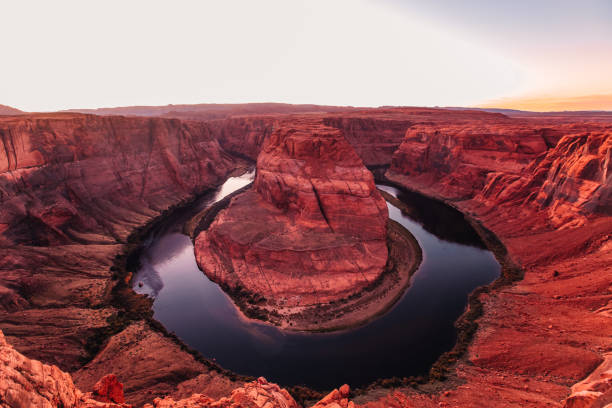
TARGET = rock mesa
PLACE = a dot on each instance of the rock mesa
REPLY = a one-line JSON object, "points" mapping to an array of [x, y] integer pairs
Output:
{"points": [[312, 229]]}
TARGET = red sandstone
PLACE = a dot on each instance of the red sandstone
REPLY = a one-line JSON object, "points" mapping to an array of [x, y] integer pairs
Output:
{"points": [[313, 228], [73, 186]]}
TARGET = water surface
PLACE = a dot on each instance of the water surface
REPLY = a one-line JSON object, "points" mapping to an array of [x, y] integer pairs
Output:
{"points": [[403, 342]]}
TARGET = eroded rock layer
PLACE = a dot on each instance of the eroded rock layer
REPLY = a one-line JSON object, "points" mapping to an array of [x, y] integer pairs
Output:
{"points": [[73, 187], [312, 229], [545, 192]]}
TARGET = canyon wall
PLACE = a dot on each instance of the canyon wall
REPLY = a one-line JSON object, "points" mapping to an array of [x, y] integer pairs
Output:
{"points": [[312, 229], [544, 190], [563, 170], [72, 189]]}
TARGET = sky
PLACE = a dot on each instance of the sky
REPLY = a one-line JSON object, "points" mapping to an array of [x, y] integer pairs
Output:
{"points": [[541, 54]]}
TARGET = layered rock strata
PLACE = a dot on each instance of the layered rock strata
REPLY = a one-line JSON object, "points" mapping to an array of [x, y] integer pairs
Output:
{"points": [[545, 194], [312, 230], [72, 189]]}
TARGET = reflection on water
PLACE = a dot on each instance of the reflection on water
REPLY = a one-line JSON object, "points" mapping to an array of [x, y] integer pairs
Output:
{"points": [[166, 247], [403, 342]]}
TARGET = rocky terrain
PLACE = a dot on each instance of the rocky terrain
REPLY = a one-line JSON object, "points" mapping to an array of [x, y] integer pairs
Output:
{"points": [[75, 187], [311, 231], [545, 193]]}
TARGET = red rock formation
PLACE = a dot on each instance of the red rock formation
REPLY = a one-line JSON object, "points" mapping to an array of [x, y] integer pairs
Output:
{"points": [[548, 201], [313, 228], [570, 183], [72, 189], [595, 390], [243, 136], [256, 394], [461, 156], [108, 389], [375, 134], [338, 398], [26, 383]]}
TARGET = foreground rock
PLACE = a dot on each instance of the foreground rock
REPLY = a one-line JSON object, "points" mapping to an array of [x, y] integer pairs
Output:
{"points": [[26, 383], [311, 231], [256, 394]]}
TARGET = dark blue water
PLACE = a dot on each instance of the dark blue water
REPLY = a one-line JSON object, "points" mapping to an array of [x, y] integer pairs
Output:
{"points": [[403, 342]]}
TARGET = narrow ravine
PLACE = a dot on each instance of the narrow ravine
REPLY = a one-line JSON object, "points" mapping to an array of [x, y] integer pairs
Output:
{"points": [[403, 342]]}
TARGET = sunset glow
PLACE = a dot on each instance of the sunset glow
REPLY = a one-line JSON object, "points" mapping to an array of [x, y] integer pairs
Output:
{"points": [[71, 54]]}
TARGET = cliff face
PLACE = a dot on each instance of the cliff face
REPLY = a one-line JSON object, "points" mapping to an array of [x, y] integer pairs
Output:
{"points": [[243, 136], [376, 134], [570, 183], [310, 169], [545, 193], [460, 157], [28, 383], [563, 170], [67, 176], [373, 138], [313, 228], [72, 188]]}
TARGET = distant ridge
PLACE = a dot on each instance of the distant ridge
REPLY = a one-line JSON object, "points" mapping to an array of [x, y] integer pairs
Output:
{"points": [[211, 111], [7, 110], [565, 115]]}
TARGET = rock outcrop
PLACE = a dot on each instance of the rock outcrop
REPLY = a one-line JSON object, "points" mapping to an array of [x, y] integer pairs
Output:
{"points": [[461, 156], [312, 230], [256, 394], [572, 182], [26, 383], [376, 134], [595, 390], [564, 170]]}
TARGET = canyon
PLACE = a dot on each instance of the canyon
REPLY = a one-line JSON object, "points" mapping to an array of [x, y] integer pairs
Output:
{"points": [[77, 190]]}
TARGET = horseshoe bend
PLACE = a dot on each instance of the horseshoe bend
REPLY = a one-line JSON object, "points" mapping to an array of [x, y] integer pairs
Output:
{"points": [[309, 233], [309, 246]]}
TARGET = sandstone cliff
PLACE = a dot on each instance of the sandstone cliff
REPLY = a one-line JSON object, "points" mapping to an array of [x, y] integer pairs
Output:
{"points": [[72, 189], [543, 189], [313, 228]]}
